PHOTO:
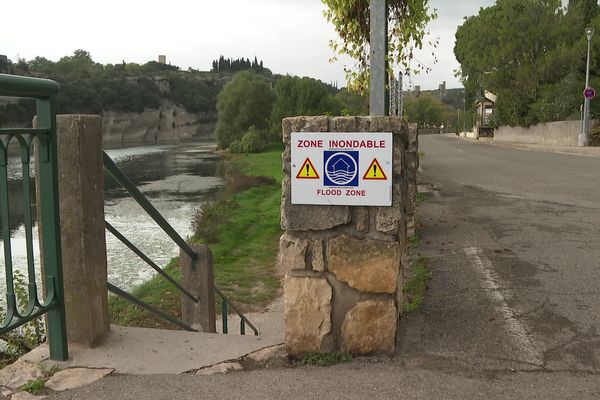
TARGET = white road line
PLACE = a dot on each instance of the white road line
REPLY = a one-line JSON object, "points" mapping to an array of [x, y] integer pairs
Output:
{"points": [[492, 285]]}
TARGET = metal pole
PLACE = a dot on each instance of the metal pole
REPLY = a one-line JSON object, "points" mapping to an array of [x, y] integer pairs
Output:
{"points": [[378, 44], [583, 136], [400, 95]]}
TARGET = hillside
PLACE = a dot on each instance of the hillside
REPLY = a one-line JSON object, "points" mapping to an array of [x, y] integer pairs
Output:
{"points": [[149, 102]]}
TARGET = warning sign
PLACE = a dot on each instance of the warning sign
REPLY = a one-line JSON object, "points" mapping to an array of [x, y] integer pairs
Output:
{"points": [[341, 168], [375, 171], [307, 171]]}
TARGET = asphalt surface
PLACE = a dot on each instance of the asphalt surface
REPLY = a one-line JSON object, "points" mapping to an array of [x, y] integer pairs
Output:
{"points": [[512, 311]]}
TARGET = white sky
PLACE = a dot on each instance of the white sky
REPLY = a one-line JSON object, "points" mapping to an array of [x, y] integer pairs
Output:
{"points": [[290, 36]]}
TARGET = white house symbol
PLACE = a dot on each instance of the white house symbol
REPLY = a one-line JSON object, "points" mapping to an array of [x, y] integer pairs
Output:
{"points": [[337, 167]]}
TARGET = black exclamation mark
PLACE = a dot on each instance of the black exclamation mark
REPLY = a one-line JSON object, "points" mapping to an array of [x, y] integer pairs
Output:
{"points": [[307, 171], [375, 170]]}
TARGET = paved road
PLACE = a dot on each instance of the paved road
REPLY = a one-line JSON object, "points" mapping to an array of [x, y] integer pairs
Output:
{"points": [[514, 239], [512, 311]]}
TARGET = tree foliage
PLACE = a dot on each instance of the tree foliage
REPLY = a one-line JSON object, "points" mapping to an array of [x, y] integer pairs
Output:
{"points": [[302, 96], [90, 87], [230, 65], [531, 54], [353, 103], [428, 110], [406, 31], [244, 102]]}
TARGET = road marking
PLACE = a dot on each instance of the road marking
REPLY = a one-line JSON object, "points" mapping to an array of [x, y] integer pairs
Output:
{"points": [[492, 285]]}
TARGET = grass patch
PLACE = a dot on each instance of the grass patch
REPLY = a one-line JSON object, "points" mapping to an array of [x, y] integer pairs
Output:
{"points": [[242, 227], [413, 241], [34, 386], [422, 197], [325, 359], [156, 291], [208, 219], [414, 290]]}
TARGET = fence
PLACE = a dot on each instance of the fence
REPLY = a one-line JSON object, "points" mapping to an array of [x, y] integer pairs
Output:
{"points": [[44, 135]]}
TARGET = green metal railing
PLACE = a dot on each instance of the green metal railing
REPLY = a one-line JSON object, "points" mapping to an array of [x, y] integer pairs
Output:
{"points": [[44, 92], [135, 193]]}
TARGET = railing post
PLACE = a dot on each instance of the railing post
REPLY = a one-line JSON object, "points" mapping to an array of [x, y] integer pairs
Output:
{"points": [[81, 201], [197, 278]]}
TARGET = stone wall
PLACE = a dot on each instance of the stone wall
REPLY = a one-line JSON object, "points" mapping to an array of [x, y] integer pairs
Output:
{"points": [[412, 166], [343, 281], [560, 133]]}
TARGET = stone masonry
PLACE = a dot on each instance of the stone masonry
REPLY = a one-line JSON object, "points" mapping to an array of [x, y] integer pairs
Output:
{"points": [[343, 264], [412, 166]]}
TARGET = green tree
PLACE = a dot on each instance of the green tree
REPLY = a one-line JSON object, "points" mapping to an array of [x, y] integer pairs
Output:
{"points": [[245, 101], [352, 103], [302, 96], [406, 31], [5, 65], [428, 110], [531, 54]]}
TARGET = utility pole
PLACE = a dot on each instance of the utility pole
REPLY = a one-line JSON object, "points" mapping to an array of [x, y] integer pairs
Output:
{"points": [[582, 139], [378, 44]]}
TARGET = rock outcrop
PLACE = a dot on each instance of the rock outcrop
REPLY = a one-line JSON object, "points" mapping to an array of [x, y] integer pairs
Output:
{"points": [[168, 123]]}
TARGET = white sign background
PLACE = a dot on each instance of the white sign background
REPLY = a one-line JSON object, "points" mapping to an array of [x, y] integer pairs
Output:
{"points": [[312, 145]]}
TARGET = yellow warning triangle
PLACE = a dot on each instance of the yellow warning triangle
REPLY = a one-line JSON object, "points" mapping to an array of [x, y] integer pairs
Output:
{"points": [[375, 171], [307, 171]]}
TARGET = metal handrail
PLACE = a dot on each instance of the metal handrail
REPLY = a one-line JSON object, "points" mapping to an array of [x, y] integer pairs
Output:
{"points": [[243, 320], [24, 86], [120, 292], [148, 261], [53, 304], [134, 192], [128, 185]]}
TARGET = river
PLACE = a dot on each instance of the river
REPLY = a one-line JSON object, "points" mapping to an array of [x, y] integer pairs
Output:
{"points": [[175, 178]]}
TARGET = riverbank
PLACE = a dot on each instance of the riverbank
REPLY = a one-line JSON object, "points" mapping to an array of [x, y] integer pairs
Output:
{"points": [[242, 227]]}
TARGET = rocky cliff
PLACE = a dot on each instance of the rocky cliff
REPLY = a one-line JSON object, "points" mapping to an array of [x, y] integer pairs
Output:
{"points": [[168, 123]]}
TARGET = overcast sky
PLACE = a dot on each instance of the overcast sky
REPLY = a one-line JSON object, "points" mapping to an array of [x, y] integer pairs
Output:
{"points": [[290, 36]]}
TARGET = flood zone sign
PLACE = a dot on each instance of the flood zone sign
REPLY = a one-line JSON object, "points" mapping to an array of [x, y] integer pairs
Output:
{"points": [[342, 168]]}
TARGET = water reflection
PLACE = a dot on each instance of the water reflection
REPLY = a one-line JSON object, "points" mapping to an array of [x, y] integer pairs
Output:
{"points": [[175, 178], [16, 204]]}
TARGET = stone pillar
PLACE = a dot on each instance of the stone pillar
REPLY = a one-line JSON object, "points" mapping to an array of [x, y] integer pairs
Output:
{"points": [[343, 282], [199, 280], [412, 166], [81, 201]]}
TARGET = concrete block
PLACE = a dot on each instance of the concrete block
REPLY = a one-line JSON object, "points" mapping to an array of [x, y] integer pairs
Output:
{"points": [[81, 200], [199, 280]]}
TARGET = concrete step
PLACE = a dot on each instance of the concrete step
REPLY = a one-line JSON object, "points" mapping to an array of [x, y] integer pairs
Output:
{"points": [[144, 351]]}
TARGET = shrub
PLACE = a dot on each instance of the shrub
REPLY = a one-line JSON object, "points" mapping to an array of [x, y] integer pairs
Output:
{"points": [[595, 135], [253, 141], [28, 336], [209, 217]]}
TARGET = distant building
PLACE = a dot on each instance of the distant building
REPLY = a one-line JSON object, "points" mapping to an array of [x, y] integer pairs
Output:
{"points": [[442, 90], [484, 110], [162, 59]]}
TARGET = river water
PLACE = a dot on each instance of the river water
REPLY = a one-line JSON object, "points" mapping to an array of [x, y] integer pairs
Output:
{"points": [[175, 178]]}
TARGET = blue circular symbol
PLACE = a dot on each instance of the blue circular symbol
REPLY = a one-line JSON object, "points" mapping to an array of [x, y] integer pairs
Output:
{"points": [[341, 168]]}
